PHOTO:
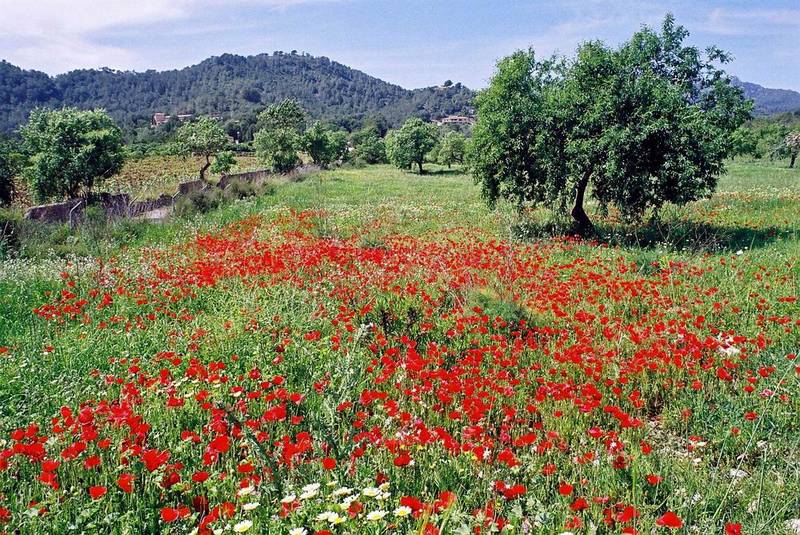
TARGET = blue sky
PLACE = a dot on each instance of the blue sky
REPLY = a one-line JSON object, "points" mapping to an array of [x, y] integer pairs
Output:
{"points": [[413, 43]]}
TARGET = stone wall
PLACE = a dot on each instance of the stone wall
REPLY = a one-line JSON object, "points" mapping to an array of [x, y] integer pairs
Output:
{"points": [[120, 205]]}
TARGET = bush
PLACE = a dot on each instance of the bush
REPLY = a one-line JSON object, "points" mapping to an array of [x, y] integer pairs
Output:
{"points": [[199, 202], [241, 189]]}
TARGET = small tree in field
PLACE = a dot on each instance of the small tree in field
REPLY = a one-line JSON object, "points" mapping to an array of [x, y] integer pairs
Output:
{"points": [[410, 144], [792, 146], [637, 126], [452, 148], [70, 151], [9, 167], [206, 138], [280, 136], [324, 145], [368, 146], [744, 142]]}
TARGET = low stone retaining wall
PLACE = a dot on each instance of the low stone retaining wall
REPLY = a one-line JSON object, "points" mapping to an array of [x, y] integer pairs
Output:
{"points": [[120, 205]]}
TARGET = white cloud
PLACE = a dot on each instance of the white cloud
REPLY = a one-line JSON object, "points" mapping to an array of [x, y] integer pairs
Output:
{"points": [[59, 35], [755, 21]]}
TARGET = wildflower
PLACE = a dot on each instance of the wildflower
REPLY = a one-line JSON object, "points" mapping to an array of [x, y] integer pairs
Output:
{"points": [[250, 506], [245, 491], [670, 520], [97, 492], [376, 515], [371, 492], [402, 511], [298, 531], [289, 498], [341, 491], [311, 487], [242, 526]]}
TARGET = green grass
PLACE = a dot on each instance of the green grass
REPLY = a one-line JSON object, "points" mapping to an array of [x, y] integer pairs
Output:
{"points": [[731, 260]]}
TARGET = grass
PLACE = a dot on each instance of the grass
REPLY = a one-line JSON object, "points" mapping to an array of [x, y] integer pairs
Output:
{"points": [[387, 332]]}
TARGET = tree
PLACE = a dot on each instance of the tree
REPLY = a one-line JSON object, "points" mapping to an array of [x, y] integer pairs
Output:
{"points": [[277, 149], [452, 148], [792, 146], [280, 136], [70, 151], [744, 142], [286, 114], [368, 146], [9, 167], [224, 162], [204, 137], [643, 124], [324, 145], [411, 143]]}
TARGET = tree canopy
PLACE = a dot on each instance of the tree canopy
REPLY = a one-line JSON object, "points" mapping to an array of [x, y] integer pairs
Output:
{"points": [[639, 125], [9, 167], [280, 137], [451, 148], [70, 151], [409, 144], [368, 146], [323, 144], [206, 138]]}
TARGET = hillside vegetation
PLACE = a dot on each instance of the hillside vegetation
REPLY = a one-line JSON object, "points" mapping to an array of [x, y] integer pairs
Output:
{"points": [[230, 86]]}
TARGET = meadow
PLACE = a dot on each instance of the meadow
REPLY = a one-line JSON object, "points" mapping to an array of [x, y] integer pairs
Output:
{"points": [[373, 351]]}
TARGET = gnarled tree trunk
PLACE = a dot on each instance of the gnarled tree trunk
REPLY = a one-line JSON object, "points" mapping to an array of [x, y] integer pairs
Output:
{"points": [[205, 168], [583, 225]]}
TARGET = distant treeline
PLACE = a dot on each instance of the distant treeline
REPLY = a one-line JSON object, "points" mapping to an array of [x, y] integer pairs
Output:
{"points": [[773, 137], [235, 88]]}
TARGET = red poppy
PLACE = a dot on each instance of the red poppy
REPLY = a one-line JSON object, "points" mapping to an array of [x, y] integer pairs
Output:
{"points": [[670, 520]]}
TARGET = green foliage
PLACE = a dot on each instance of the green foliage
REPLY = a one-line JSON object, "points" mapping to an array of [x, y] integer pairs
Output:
{"points": [[644, 124], [204, 137], [9, 167], [199, 202], [229, 85], [324, 145], [281, 136], [744, 142], [368, 146], [70, 151], [410, 144], [286, 114], [452, 148], [224, 162], [277, 149]]}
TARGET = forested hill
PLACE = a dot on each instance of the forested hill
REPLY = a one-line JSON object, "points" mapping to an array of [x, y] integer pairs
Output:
{"points": [[769, 101], [231, 86]]}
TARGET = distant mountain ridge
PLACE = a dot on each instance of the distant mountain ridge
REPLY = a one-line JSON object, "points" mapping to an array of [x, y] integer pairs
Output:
{"points": [[230, 86], [237, 87], [769, 101]]}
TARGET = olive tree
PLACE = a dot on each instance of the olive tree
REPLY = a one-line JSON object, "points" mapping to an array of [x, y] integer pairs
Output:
{"points": [[409, 144], [207, 139], [70, 151], [324, 145], [368, 146], [451, 148], [636, 126], [280, 136], [791, 144]]}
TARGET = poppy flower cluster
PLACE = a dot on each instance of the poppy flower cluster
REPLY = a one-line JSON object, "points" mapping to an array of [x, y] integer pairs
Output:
{"points": [[486, 383]]}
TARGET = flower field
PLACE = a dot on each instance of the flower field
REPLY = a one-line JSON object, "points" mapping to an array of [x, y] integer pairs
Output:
{"points": [[369, 352]]}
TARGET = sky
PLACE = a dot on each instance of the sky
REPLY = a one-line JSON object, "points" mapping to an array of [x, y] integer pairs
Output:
{"points": [[413, 43]]}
